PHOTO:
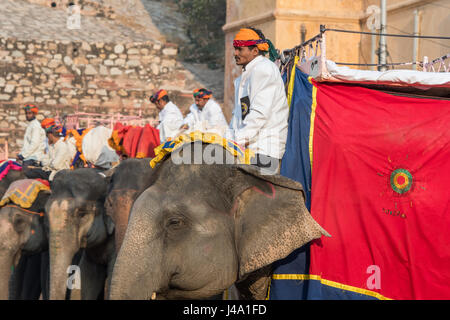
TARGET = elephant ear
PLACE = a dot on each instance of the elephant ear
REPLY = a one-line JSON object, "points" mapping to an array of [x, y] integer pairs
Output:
{"points": [[271, 218]]}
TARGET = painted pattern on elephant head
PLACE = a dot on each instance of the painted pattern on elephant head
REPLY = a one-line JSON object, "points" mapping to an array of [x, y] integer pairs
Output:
{"points": [[199, 228]]}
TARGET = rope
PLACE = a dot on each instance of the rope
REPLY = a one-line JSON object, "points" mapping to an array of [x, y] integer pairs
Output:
{"points": [[377, 65], [41, 214], [388, 34]]}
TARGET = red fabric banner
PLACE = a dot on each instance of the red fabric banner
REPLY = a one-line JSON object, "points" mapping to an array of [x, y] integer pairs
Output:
{"points": [[380, 181]]}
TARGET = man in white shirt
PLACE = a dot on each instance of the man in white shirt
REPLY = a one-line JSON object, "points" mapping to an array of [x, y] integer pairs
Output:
{"points": [[170, 116], [59, 155], [205, 114], [260, 116], [34, 143]]}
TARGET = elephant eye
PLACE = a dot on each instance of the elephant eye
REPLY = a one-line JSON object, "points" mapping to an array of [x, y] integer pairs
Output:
{"points": [[174, 223], [82, 212]]}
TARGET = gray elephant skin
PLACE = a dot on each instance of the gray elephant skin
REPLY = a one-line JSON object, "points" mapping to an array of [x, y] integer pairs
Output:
{"points": [[128, 180], [200, 228], [77, 220], [24, 245]]}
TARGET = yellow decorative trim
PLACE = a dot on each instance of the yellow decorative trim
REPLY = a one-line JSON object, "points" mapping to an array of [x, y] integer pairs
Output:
{"points": [[329, 283], [268, 289], [162, 150], [313, 116], [292, 81], [140, 155], [22, 198]]}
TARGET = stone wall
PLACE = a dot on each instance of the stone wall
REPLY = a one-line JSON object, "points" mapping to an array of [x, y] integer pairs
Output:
{"points": [[63, 77]]}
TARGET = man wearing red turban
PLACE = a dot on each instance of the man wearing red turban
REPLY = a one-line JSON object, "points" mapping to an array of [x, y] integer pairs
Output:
{"points": [[33, 148], [260, 116], [205, 114]]}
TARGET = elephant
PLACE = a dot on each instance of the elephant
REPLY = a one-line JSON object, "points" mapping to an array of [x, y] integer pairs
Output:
{"points": [[128, 180], [199, 228], [24, 245], [77, 220]]}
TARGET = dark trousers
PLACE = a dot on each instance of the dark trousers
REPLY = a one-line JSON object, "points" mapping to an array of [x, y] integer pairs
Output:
{"points": [[34, 173]]}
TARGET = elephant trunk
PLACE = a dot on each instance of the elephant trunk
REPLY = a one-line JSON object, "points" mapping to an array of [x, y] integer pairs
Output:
{"points": [[139, 281], [6, 265], [121, 203], [62, 250], [63, 244]]}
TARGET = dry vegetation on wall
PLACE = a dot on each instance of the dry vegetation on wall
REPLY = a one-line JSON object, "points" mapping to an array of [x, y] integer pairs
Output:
{"points": [[204, 21]]}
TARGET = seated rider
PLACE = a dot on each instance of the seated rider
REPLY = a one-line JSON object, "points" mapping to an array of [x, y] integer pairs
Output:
{"points": [[59, 155], [205, 114], [33, 148]]}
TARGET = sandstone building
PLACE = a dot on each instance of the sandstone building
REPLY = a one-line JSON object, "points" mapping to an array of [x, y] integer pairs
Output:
{"points": [[287, 22]]}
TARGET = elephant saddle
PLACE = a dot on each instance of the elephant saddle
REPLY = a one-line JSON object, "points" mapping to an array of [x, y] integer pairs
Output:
{"points": [[23, 192], [7, 165]]}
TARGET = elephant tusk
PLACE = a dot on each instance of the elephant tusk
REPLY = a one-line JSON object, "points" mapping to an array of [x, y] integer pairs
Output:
{"points": [[153, 295]]}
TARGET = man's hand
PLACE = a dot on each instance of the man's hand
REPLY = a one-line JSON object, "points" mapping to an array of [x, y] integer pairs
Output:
{"points": [[184, 127]]}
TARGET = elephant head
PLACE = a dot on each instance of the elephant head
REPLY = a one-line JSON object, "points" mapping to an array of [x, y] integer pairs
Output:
{"points": [[12, 175], [22, 231], [129, 179], [200, 228], [77, 220]]}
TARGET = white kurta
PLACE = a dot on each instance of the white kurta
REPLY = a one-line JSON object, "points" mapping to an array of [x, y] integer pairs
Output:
{"points": [[265, 121], [96, 149], [170, 121], [34, 142], [209, 119], [59, 157]]}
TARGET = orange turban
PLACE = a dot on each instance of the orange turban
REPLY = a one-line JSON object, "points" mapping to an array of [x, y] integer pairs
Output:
{"points": [[158, 95], [31, 107], [202, 93], [49, 125], [247, 37]]}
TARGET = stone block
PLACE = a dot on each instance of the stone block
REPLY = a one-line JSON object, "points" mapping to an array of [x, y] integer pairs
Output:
{"points": [[9, 88], [119, 48], [120, 62], [170, 51], [133, 63], [115, 72], [54, 63], [90, 70], [103, 70], [17, 54], [68, 60]]}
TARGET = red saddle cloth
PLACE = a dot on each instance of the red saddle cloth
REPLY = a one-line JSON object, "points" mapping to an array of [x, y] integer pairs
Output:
{"points": [[134, 141]]}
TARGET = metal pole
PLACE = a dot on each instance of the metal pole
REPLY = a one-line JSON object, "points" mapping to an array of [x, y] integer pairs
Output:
{"points": [[373, 48], [416, 40], [382, 54]]}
